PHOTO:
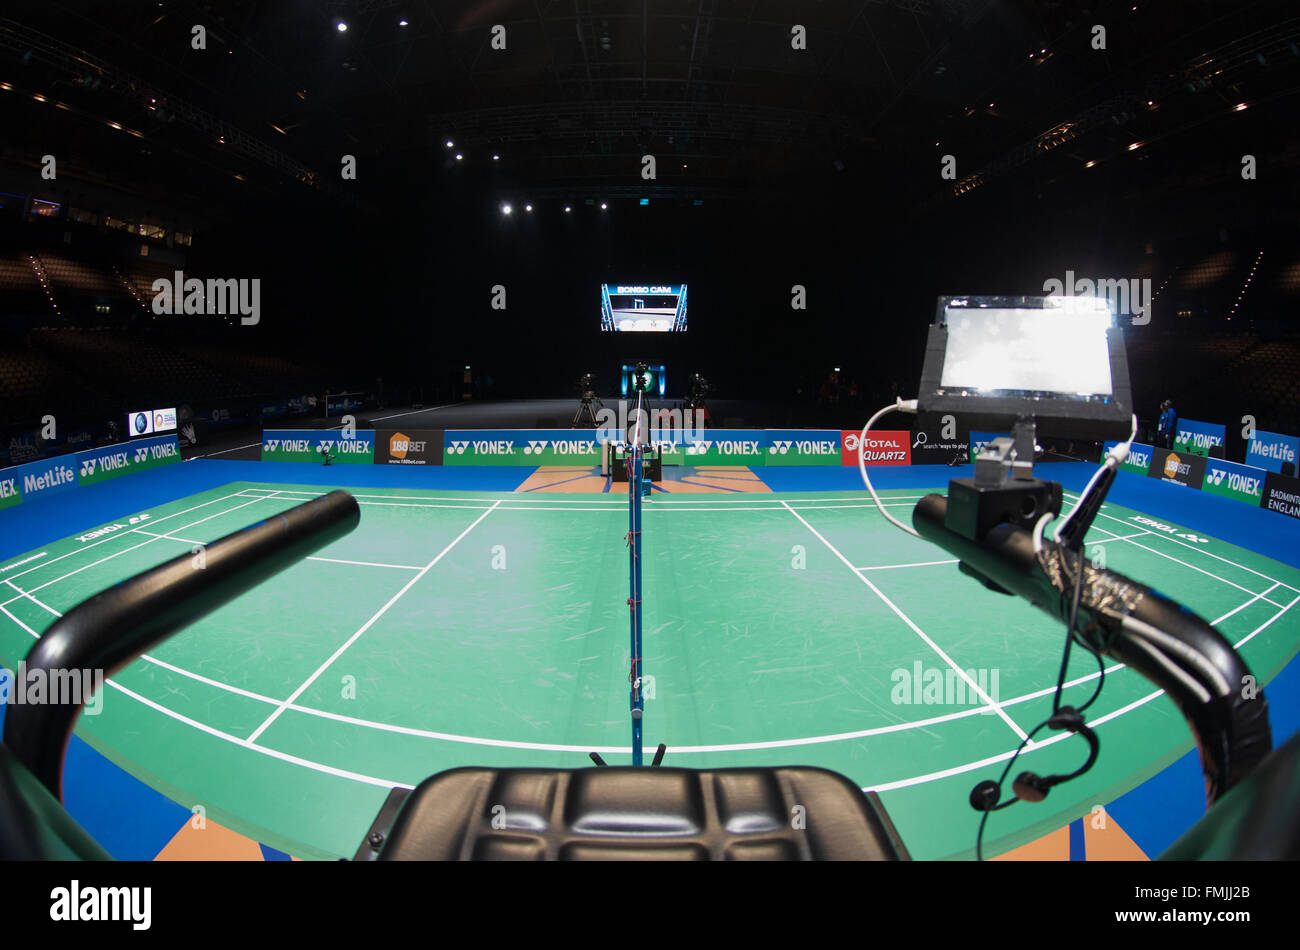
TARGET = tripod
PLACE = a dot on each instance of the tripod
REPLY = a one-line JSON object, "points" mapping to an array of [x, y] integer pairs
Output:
{"points": [[587, 409]]}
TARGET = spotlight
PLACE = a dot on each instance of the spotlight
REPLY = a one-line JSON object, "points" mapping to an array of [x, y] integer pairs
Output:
{"points": [[450, 143], [401, 23], [603, 206], [1239, 107], [496, 158], [528, 207], [343, 27], [459, 156], [567, 209], [506, 209]]}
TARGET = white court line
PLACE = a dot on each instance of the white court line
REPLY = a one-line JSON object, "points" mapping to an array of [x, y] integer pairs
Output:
{"points": [[31, 598], [131, 548], [1245, 605], [157, 662], [117, 534], [413, 412], [890, 567], [621, 507], [212, 731], [334, 560], [172, 537], [223, 451], [339, 560], [1217, 557], [355, 776], [263, 750], [917, 630], [618, 749], [366, 626], [1269, 622], [618, 500], [1115, 537], [971, 766], [519, 744], [556, 747], [1002, 757], [4, 611]]}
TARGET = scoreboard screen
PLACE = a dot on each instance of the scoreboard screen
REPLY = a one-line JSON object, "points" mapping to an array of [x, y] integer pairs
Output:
{"points": [[655, 381], [643, 308]]}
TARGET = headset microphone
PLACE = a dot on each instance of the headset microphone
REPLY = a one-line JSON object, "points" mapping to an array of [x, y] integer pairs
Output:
{"points": [[1030, 787]]}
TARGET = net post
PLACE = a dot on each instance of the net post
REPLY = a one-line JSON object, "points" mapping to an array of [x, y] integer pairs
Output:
{"points": [[634, 477]]}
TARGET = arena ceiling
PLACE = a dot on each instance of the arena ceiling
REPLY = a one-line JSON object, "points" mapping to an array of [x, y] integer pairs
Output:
{"points": [[583, 88]]}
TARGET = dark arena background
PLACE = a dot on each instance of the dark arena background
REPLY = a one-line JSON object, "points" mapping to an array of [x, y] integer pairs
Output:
{"points": [[393, 388]]}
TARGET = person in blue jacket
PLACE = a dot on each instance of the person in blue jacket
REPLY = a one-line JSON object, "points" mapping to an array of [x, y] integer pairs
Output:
{"points": [[1168, 424]]}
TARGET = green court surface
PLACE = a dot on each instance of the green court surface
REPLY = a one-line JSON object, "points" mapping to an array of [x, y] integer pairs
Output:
{"points": [[472, 628]]}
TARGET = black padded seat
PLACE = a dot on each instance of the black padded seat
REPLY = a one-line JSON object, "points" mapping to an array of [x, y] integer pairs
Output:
{"points": [[638, 814]]}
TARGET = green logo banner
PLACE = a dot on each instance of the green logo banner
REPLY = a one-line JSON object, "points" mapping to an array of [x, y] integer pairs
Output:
{"points": [[99, 465], [1239, 482], [304, 445]]}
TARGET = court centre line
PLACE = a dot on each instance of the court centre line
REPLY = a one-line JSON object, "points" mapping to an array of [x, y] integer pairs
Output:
{"points": [[131, 548], [1116, 537], [917, 630], [1217, 557], [366, 626], [115, 534]]}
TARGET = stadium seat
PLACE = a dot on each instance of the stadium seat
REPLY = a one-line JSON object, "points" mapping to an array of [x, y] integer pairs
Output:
{"points": [[665, 814]]}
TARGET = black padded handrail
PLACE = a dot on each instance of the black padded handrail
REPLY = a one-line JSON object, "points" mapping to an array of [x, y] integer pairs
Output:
{"points": [[1164, 642], [117, 625]]}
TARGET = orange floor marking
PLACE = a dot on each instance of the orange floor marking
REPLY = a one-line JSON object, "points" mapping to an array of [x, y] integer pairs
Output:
{"points": [[555, 478], [1051, 847], [717, 479], [714, 479], [1110, 843], [212, 842]]}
